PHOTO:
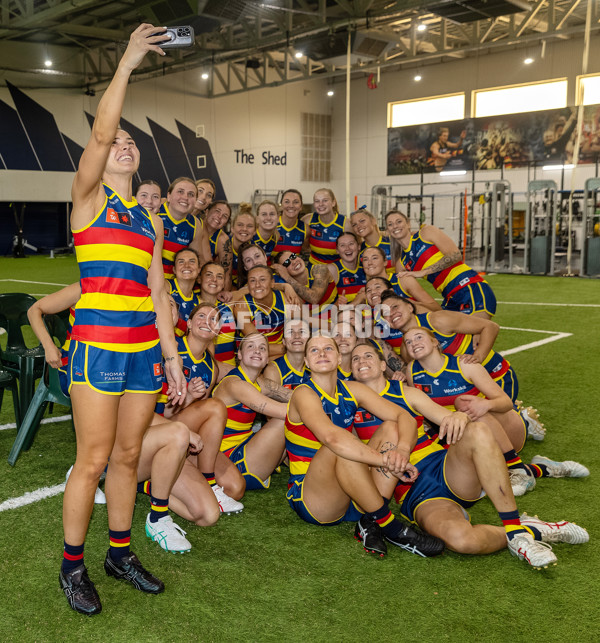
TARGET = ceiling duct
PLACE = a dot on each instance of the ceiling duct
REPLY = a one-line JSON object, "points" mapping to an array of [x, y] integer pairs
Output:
{"points": [[471, 10], [332, 48]]}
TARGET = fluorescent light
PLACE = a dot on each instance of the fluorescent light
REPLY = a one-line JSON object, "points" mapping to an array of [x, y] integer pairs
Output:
{"points": [[418, 77], [421, 27], [48, 62], [298, 54], [568, 166], [528, 61], [452, 172], [330, 92], [204, 75]]}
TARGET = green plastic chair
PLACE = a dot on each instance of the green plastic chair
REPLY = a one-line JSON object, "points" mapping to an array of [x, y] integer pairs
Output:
{"points": [[47, 392], [26, 363], [8, 381]]}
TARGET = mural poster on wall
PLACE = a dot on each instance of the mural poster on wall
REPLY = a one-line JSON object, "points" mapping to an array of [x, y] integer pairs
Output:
{"points": [[510, 140]]}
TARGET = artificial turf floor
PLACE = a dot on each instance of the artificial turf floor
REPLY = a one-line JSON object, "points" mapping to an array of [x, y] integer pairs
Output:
{"points": [[265, 575]]}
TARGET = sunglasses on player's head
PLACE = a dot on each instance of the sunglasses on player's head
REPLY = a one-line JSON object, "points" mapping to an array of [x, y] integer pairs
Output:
{"points": [[289, 260]]}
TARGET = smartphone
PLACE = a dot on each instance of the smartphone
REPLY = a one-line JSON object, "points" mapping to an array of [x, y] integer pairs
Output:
{"points": [[180, 37]]}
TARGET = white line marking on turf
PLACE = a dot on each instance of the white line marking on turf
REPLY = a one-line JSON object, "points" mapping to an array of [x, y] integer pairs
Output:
{"points": [[58, 418], [555, 335], [43, 283], [32, 496]]}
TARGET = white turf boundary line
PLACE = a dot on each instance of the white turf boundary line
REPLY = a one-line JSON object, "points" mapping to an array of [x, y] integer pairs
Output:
{"points": [[555, 335], [48, 492], [58, 418], [42, 283], [32, 496]]}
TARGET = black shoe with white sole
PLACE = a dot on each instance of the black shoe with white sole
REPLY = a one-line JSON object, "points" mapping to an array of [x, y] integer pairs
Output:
{"points": [[130, 570]]}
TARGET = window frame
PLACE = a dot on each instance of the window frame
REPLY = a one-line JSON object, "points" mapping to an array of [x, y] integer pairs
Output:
{"points": [[474, 92], [391, 105]]}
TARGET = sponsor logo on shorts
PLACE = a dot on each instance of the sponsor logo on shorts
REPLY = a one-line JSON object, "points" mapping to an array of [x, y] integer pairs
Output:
{"points": [[78, 371], [157, 369], [112, 376]]}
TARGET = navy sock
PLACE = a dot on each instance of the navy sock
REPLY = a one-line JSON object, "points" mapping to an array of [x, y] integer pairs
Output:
{"points": [[119, 543], [72, 557]]}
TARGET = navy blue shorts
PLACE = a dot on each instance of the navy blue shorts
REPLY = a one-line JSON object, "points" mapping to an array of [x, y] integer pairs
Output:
{"points": [[431, 485], [115, 373], [295, 498], [472, 298]]}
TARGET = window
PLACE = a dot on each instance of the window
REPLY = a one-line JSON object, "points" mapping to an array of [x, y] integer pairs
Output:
{"points": [[437, 109], [516, 99], [316, 147], [590, 85]]}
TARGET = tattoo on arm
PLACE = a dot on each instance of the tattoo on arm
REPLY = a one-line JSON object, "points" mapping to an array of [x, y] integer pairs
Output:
{"points": [[227, 255], [445, 262], [384, 448], [321, 279], [259, 408], [275, 391], [394, 362]]}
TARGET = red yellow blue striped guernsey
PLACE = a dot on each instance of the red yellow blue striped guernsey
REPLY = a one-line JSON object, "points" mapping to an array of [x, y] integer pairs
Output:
{"points": [[268, 245], [446, 384], [290, 377], [114, 252], [350, 281], [323, 238], [291, 239], [239, 417], [365, 423], [185, 304], [178, 235], [301, 443], [421, 254], [325, 304], [269, 324], [460, 343], [225, 341], [213, 242]]}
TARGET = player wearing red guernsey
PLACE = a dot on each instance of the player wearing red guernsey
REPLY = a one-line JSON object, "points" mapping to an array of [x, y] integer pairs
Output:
{"points": [[332, 473], [325, 225], [292, 230], [430, 253], [452, 479], [468, 387], [114, 353]]}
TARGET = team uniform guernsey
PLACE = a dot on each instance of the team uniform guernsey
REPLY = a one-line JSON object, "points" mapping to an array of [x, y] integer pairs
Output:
{"points": [[324, 308], [234, 266], [204, 368], [225, 342], [213, 242], [428, 456], [344, 376], [268, 245], [186, 305], [444, 386], [323, 238], [392, 336], [114, 340], [178, 235], [302, 445], [349, 281], [384, 244], [238, 432], [63, 371], [290, 377], [399, 288], [498, 368], [271, 324], [291, 239], [463, 289]]}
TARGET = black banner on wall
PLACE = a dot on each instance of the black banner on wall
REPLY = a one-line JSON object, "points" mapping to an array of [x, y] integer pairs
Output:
{"points": [[510, 140]]}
